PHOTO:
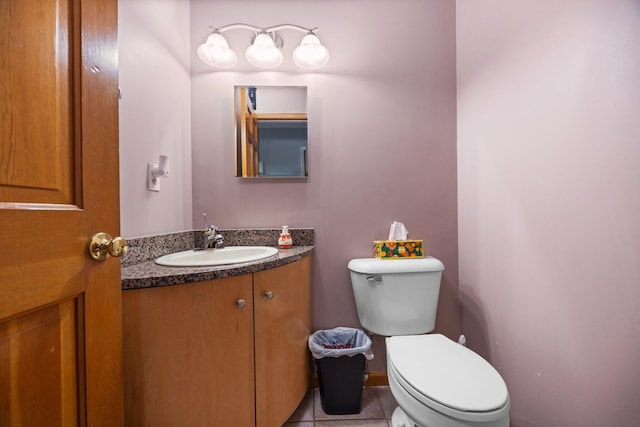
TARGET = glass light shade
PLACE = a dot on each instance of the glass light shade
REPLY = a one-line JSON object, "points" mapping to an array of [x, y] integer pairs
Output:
{"points": [[310, 54], [215, 52], [263, 52]]}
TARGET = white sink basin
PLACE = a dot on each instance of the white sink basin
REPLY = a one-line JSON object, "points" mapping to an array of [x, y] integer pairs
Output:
{"points": [[228, 255]]}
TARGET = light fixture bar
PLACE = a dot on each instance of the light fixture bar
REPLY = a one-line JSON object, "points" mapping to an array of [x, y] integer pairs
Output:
{"points": [[263, 29], [264, 52]]}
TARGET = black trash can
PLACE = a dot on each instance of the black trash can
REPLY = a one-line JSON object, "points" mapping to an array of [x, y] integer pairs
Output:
{"points": [[340, 355]]}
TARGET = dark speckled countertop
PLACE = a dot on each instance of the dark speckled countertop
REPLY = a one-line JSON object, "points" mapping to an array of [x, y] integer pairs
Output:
{"points": [[149, 274], [139, 269]]}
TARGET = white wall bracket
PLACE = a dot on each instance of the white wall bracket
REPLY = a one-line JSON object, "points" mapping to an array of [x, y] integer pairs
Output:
{"points": [[156, 171]]}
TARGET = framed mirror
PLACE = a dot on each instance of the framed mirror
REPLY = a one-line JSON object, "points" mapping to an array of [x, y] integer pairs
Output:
{"points": [[271, 132]]}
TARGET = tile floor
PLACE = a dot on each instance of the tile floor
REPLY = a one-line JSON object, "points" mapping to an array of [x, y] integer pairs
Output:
{"points": [[377, 406]]}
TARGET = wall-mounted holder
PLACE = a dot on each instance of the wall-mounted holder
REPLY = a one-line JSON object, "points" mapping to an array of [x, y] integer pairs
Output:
{"points": [[155, 171]]}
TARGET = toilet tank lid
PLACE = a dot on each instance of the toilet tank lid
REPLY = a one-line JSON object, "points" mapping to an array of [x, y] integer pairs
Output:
{"points": [[379, 266]]}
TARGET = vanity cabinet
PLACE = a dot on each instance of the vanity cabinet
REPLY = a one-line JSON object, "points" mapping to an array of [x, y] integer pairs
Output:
{"points": [[228, 352], [282, 322]]}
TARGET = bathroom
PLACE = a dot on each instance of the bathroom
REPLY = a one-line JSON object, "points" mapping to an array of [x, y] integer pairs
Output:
{"points": [[502, 133]]}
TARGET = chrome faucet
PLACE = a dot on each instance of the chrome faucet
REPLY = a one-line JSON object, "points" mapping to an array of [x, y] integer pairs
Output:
{"points": [[211, 235]]}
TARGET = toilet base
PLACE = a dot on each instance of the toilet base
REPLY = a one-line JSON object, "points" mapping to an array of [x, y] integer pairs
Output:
{"points": [[400, 419]]}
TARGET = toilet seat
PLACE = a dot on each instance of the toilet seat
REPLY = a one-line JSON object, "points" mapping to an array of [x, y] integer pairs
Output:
{"points": [[447, 377]]}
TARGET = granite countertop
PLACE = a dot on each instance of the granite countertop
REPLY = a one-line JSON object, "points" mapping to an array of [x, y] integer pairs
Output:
{"points": [[148, 274]]}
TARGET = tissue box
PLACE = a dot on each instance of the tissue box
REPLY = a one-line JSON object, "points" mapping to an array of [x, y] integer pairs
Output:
{"points": [[397, 249]]}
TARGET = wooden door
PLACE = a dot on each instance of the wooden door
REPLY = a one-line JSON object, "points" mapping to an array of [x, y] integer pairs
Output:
{"points": [[60, 310], [282, 312], [189, 354]]}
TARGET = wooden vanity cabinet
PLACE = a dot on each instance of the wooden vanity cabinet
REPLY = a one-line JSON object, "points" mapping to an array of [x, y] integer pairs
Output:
{"points": [[227, 352], [188, 354], [282, 322]]}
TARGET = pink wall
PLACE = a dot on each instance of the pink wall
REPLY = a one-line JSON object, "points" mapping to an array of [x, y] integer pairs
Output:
{"points": [[547, 198], [549, 201], [155, 114], [381, 138]]}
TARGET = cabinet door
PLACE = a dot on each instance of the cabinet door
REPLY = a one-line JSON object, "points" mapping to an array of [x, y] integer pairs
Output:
{"points": [[282, 300], [188, 352]]}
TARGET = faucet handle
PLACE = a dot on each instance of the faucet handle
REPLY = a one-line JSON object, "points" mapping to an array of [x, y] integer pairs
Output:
{"points": [[211, 230]]}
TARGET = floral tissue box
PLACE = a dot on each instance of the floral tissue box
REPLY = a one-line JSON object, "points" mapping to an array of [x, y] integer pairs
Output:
{"points": [[397, 249]]}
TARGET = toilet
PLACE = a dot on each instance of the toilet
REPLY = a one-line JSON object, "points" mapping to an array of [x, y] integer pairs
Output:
{"points": [[435, 381]]}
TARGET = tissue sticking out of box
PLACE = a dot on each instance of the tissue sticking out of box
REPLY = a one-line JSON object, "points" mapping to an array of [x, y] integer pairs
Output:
{"points": [[398, 246], [398, 231]]}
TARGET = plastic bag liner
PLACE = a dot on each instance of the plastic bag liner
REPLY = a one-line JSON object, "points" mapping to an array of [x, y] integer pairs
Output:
{"points": [[338, 342]]}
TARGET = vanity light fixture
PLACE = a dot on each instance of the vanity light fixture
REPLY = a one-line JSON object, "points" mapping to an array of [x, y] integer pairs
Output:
{"points": [[311, 54], [215, 51], [264, 51]]}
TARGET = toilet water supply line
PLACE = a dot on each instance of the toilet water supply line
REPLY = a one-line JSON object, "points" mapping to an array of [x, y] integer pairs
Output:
{"points": [[462, 340]]}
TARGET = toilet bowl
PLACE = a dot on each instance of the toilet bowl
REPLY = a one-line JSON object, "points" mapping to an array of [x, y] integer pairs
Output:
{"points": [[439, 383], [435, 381]]}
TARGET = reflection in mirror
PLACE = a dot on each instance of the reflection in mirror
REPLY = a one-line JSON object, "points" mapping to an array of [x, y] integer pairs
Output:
{"points": [[271, 131]]}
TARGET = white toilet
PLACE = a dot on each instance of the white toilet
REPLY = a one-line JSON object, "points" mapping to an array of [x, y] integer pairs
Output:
{"points": [[436, 381]]}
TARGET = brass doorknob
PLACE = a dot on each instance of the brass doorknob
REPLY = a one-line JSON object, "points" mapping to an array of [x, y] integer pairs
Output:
{"points": [[103, 245]]}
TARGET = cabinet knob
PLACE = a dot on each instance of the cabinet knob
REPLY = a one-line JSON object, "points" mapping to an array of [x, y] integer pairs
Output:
{"points": [[268, 294], [241, 303]]}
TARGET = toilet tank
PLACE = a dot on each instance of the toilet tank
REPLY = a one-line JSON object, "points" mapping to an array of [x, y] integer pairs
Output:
{"points": [[396, 297]]}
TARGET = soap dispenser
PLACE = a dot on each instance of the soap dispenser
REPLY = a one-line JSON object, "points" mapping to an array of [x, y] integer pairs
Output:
{"points": [[285, 241]]}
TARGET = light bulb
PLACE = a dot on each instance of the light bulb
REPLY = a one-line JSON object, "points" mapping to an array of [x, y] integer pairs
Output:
{"points": [[216, 52], [311, 54], [263, 52]]}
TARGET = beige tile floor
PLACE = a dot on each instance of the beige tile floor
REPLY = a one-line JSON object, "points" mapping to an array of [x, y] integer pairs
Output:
{"points": [[377, 406]]}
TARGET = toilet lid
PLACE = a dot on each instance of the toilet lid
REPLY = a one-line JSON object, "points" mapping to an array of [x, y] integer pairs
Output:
{"points": [[446, 372]]}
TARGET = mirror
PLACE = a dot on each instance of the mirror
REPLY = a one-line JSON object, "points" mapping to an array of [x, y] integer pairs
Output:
{"points": [[271, 131]]}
